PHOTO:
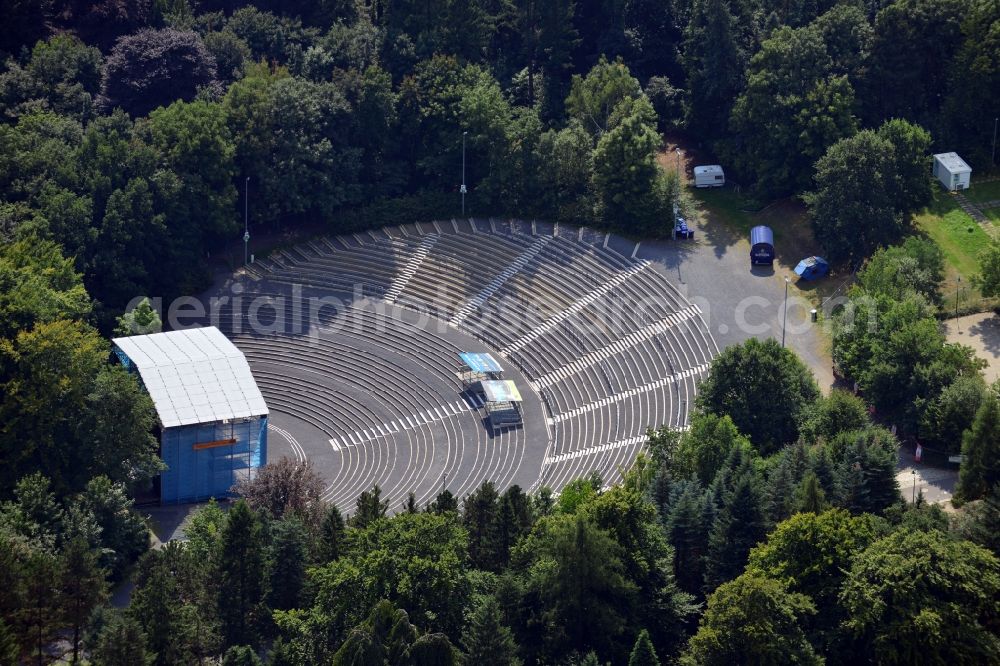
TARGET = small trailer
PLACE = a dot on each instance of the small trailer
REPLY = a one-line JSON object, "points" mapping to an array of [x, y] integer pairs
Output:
{"points": [[709, 175], [812, 268], [761, 246], [952, 171]]}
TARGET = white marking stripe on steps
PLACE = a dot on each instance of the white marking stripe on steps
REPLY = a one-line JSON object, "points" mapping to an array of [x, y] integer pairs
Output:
{"points": [[297, 450], [616, 347], [403, 278], [409, 422], [570, 455], [631, 393], [578, 305], [600, 448], [499, 280]]}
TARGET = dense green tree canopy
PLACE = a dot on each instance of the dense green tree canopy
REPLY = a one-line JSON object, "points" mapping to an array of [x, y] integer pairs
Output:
{"points": [[917, 595], [153, 68], [793, 108], [811, 553], [753, 620], [763, 387]]}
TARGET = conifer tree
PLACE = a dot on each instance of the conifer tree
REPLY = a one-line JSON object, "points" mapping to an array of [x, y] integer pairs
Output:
{"points": [[154, 605], [9, 650], [738, 527], [445, 502], [715, 63], [286, 564], [140, 320], [121, 642], [514, 519], [81, 586], [687, 530], [781, 489], [330, 544], [643, 654], [370, 507], [823, 467], [868, 471], [241, 567], [809, 496], [480, 519], [240, 655], [980, 468], [487, 641]]}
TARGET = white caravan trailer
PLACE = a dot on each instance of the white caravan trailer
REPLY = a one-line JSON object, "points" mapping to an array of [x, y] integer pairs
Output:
{"points": [[710, 175], [952, 171]]}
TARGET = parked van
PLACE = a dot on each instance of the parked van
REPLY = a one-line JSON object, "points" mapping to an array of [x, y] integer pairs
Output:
{"points": [[710, 175], [761, 246]]}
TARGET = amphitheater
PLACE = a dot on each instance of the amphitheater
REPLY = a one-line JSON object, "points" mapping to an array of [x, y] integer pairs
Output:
{"points": [[354, 341]]}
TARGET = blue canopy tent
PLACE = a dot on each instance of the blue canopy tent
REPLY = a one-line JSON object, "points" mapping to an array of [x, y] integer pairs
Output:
{"points": [[812, 268], [479, 367], [479, 362], [761, 245]]}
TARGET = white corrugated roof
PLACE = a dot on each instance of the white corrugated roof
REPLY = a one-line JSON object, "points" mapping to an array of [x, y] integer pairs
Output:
{"points": [[194, 376], [953, 163]]}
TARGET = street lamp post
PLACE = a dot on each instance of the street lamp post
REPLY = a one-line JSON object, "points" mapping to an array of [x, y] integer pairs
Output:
{"points": [[913, 499], [958, 290], [246, 219], [784, 313], [679, 174], [463, 190], [993, 159]]}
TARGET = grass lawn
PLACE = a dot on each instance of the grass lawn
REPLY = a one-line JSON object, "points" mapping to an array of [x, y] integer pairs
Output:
{"points": [[984, 191], [960, 238], [728, 205]]}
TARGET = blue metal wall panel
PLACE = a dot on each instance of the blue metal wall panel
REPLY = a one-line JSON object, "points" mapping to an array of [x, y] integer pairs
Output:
{"points": [[197, 474]]}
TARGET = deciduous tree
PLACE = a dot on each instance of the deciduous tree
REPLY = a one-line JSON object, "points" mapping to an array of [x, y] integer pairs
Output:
{"points": [[923, 596], [282, 488], [763, 387], [153, 68], [753, 620]]}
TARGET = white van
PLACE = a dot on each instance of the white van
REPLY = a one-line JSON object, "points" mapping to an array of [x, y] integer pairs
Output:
{"points": [[710, 175]]}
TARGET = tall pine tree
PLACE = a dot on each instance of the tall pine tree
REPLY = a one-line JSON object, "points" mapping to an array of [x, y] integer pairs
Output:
{"points": [[330, 544], [739, 526], [487, 641], [286, 567], [480, 519], [715, 63], [241, 567], [980, 469], [643, 654]]}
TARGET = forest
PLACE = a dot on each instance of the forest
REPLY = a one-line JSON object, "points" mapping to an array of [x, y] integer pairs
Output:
{"points": [[134, 132]]}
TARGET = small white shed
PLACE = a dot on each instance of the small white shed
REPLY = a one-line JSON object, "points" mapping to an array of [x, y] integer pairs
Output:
{"points": [[952, 171], [710, 175]]}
